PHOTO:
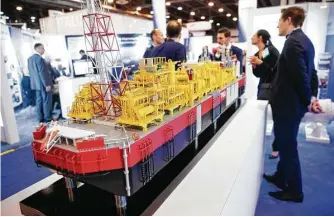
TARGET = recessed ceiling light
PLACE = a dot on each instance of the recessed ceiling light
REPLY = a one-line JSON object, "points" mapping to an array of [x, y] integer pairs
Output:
{"points": [[33, 18], [167, 3], [218, 24], [202, 17], [110, 1], [33, 21], [19, 8], [71, 9], [179, 8], [211, 21], [15, 21], [138, 8], [211, 4], [6, 18], [228, 15], [221, 10], [167, 16], [151, 12], [235, 19], [192, 13], [179, 20]]}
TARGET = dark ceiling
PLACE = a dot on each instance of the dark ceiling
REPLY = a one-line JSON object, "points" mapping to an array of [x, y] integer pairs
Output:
{"points": [[39, 9]]}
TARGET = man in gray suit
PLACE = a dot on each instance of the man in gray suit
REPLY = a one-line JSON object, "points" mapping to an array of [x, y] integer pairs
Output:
{"points": [[41, 84]]}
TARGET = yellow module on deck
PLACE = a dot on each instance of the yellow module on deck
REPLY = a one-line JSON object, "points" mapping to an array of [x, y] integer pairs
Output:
{"points": [[158, 88]]}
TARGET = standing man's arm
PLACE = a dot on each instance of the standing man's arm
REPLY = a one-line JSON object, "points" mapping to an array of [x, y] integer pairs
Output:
{"points": [[298, 71], [43, 73]]}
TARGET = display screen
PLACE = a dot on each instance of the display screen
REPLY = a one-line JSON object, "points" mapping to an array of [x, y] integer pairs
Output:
{"points": [[82, 67]]}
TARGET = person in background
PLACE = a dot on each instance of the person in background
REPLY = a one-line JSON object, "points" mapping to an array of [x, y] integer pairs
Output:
{"points": [[60, 71], [84, 56], [53, 72], [291, 97], [172, 49], [157, 39], [205, 55], [264, 68], [41, 83], [27, 93], [225, 46]]}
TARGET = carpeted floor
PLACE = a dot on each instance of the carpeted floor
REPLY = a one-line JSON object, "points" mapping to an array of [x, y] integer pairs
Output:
{"points": [[317, 162]]}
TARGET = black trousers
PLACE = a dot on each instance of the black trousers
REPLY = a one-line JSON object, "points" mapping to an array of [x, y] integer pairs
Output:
{"points": [[288, 168]]}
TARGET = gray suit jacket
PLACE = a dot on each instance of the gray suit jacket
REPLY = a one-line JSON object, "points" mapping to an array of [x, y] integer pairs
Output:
{"points": [[39, 74]]}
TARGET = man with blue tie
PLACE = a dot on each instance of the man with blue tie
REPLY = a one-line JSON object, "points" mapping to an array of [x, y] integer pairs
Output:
{"points": [[291, 97], [172, 49], [41, 83]]}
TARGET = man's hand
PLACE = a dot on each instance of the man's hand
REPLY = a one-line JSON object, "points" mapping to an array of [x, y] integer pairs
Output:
{"points": [[254, 60], [48, 88], [315, 106]]}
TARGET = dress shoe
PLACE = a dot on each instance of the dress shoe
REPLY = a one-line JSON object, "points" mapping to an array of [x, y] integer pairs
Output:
{"points": [[273, 179], [287, 196]]}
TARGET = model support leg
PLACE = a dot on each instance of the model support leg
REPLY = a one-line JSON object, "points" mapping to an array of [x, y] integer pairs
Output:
{"points": [[71, 186], [196, 143], [121, 205], [214, 126]]}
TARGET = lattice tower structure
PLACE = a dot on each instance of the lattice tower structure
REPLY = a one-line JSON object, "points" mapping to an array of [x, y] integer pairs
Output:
{"points": [[103, 51]]}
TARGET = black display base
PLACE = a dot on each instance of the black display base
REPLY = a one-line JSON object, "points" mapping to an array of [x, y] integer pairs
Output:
{"points": [[93, 201]]}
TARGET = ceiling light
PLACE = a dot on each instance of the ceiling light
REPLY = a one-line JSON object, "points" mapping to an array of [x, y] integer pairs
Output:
{"points": [[28, 28], [151, 12], [179, 8], [218, 24], [167, 16], [228, 15], [19, 8], [179, 20], [33, 21], [15, 21], [71, 9], [202, 17], [211, 4], [138, 8], [6, 18], [167, 3], [110, 1], [235, 19], [1, 13], [33, 18], [211, 21], [221, 10], [192, 13]]}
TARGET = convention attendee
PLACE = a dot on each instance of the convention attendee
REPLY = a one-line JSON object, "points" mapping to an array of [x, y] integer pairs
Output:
{"points": [[291, 96], [53, 72], [157, 39], [27, 93], [264, 62], [60, 70], [86, 57], [225, 47], [172, 49], [41, 83], [205, 55]]}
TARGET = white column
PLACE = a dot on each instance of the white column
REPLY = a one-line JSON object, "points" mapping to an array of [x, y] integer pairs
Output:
{"points": [[159, 16], [9, 132], [246, 19]]}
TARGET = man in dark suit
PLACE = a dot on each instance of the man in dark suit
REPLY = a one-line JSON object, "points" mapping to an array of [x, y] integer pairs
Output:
{"points": [[157, 39], [292, 94], [171, 49], [225, 46], [41, 83]]}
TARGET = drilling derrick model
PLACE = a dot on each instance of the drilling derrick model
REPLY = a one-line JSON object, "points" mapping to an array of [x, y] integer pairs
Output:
{"points": [[101, 43]]}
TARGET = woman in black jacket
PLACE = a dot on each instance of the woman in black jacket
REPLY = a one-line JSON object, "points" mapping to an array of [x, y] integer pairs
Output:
{"points": [[264, 67]]}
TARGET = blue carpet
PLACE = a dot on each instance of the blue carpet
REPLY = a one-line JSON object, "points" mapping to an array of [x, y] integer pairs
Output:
{"points": [[317, 162], [19, 171]]}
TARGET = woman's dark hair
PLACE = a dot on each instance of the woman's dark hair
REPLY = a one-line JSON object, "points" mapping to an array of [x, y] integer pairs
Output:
{"points": [[265, 36]]}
